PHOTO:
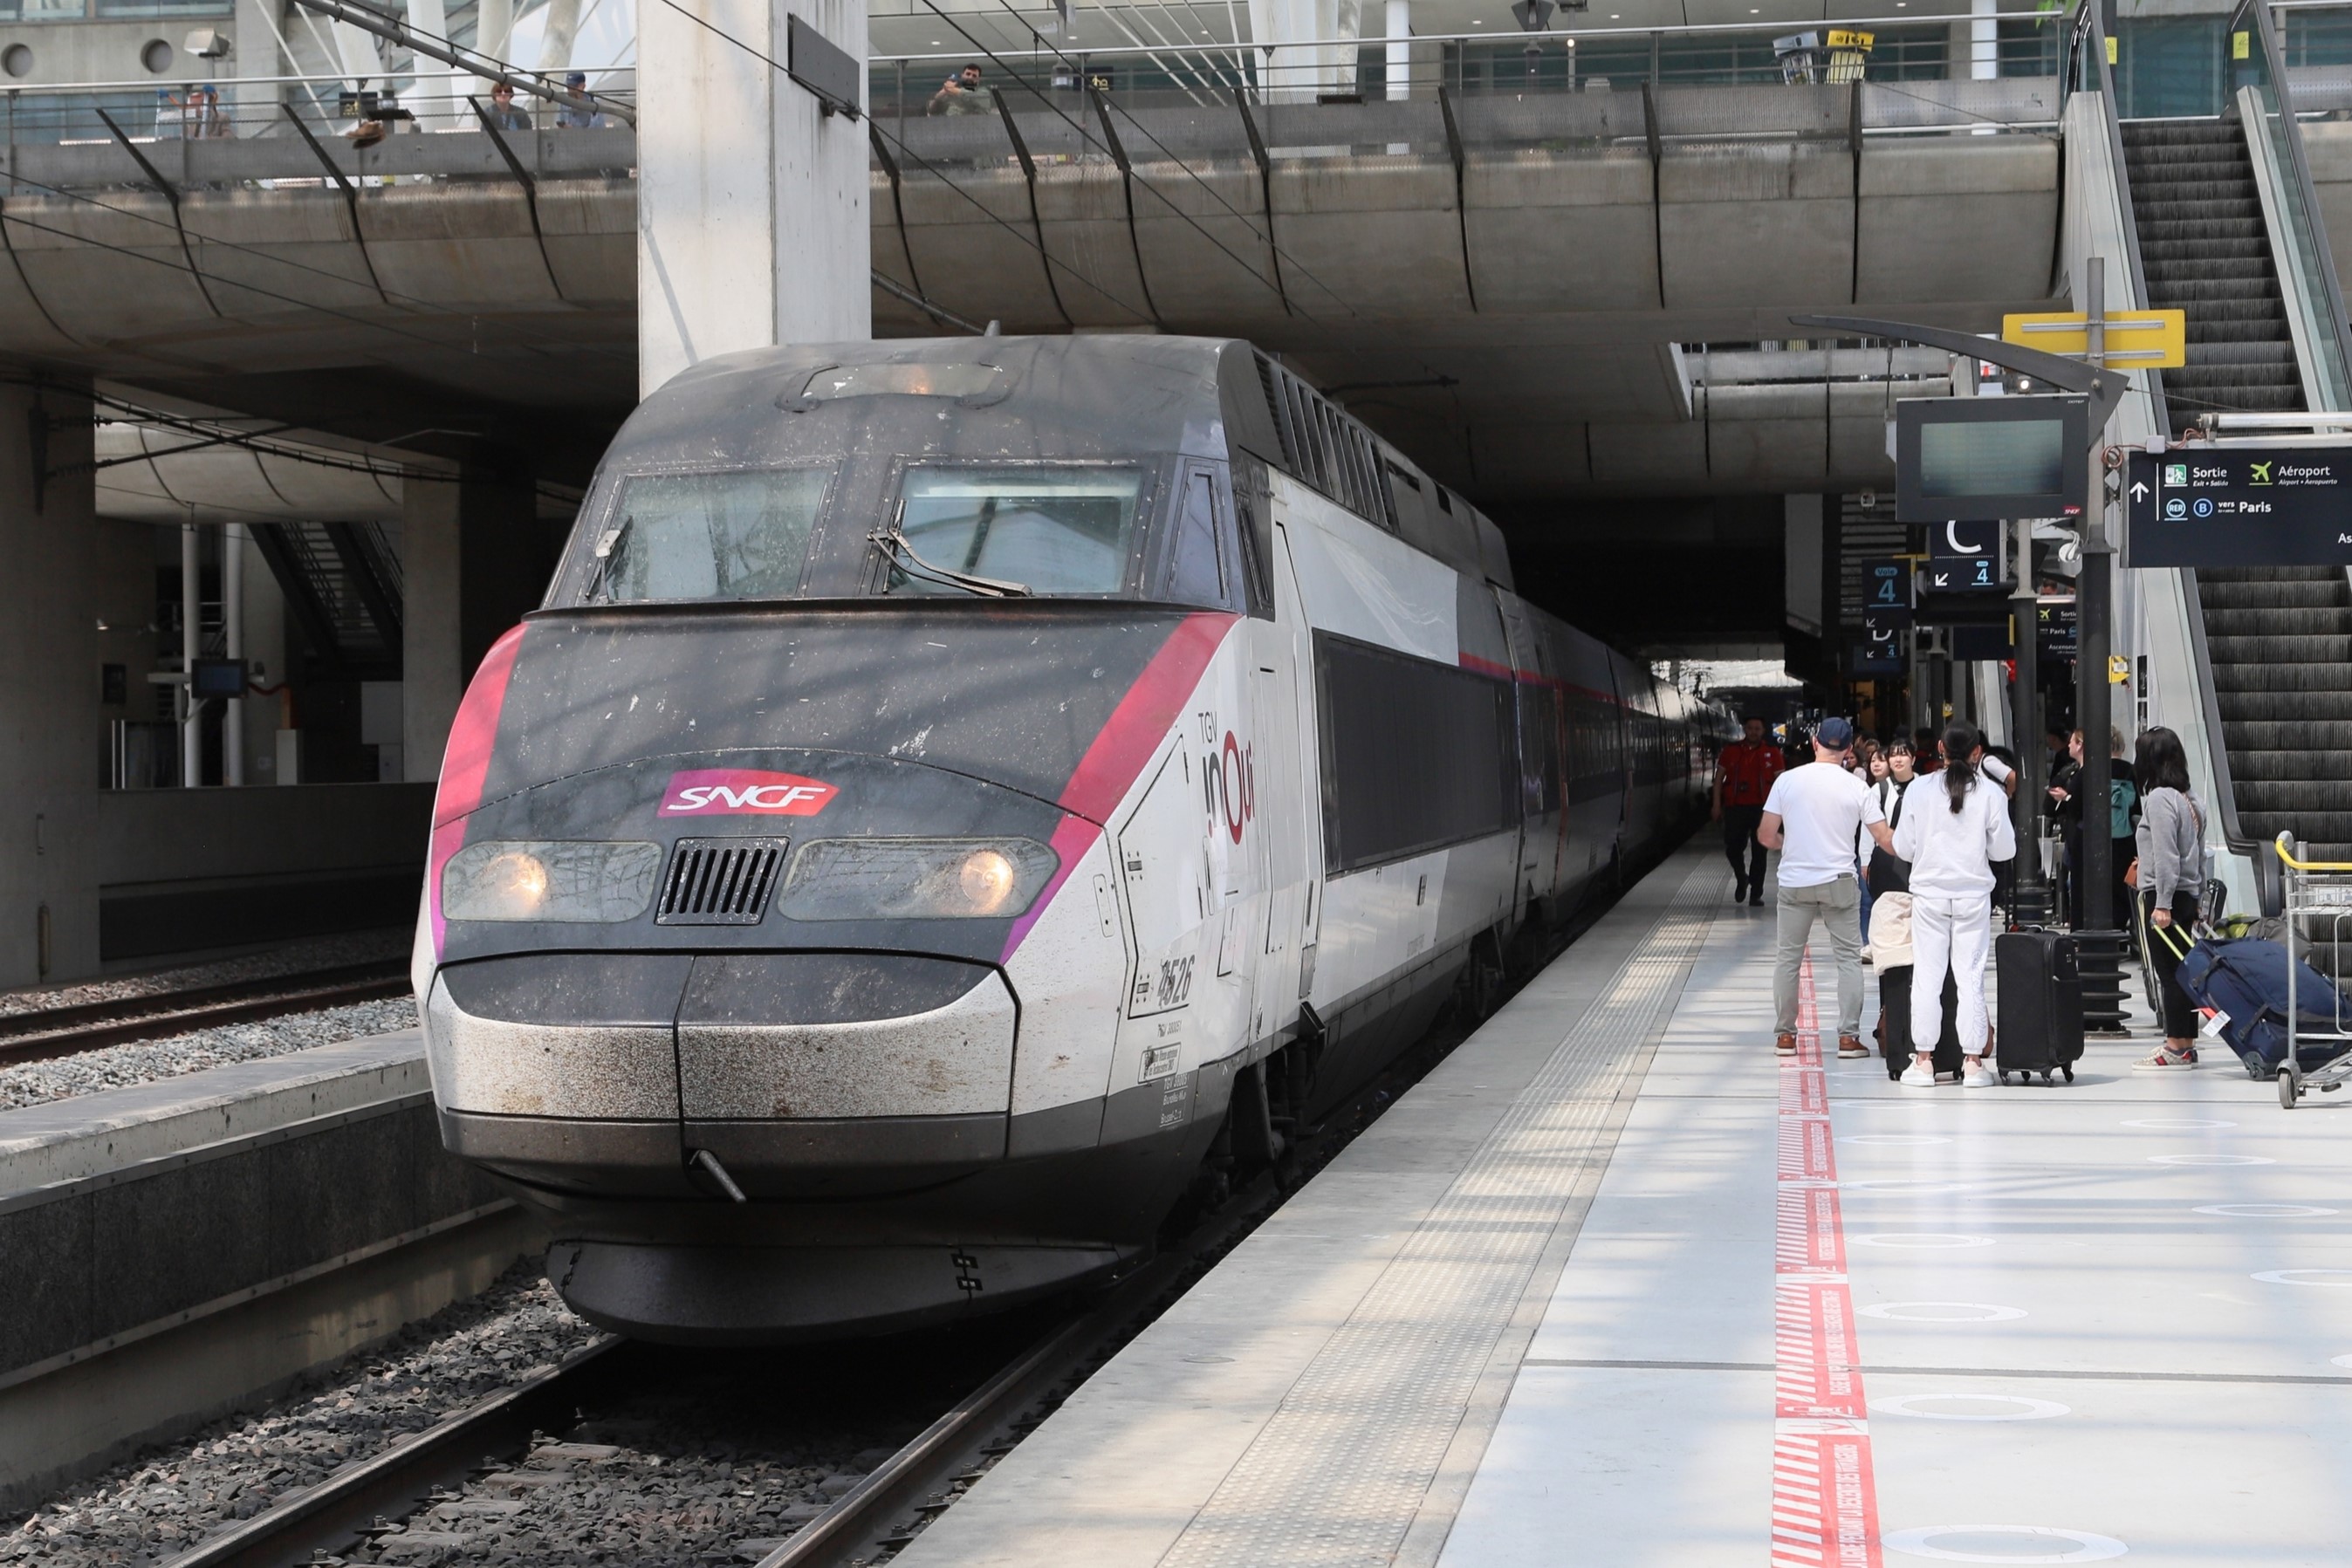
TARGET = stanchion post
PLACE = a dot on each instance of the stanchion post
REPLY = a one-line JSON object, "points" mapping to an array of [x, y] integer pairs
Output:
{"points": [[2100, 947]]}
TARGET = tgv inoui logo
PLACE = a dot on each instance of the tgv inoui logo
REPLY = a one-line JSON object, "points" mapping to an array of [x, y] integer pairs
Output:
{"points": [[742, 791]]}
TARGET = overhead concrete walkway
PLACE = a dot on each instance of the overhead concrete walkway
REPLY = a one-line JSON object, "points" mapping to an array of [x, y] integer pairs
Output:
{"points": [[1614, 1284]]}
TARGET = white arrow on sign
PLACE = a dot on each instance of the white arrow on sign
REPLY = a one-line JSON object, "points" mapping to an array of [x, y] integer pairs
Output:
{"points": [[2139, 490]]}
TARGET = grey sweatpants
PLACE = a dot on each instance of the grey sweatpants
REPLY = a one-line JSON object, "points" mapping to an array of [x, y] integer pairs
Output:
{"points": [[1836, 905]]}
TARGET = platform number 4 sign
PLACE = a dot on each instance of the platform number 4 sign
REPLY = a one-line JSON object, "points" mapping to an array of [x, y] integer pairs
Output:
{"points": [[1886, 591]]}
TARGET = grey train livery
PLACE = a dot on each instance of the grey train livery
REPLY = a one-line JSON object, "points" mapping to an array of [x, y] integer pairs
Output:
{"points": [[959, 795]]}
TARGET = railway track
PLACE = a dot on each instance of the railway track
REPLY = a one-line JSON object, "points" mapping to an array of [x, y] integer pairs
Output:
{"points": [[361, 1503], [85, 1026]]}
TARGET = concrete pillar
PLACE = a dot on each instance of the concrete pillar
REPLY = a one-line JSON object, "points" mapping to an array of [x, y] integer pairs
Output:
{"points": [[562, 25], [233, 647], [254, 52], [1398, 28], [52, 727], [751, 204], [1296, 56], [473, 559]]}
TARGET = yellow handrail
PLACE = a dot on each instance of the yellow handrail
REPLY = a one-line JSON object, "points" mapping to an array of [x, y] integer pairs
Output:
{"points": [[2287, 855]]}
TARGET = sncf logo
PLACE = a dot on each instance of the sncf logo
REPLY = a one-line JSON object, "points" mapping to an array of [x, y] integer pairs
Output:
{"points": [[741, 791]]}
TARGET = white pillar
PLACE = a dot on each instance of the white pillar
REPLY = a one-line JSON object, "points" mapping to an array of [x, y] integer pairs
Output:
{"points": [[232, 631], [1398, 28], [192, 612], [1296, 56], [493, 28], [555, 43], [1984, 40], [752, 205]]}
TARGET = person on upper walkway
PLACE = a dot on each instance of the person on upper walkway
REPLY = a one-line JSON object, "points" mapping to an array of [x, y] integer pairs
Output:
{"points": [[578, 111], [1811, 817], [962, 94], [504, 113], [1743, 774], [1955, 825]]}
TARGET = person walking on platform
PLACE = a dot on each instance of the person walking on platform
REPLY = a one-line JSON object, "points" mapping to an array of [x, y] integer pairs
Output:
{"points": [[1812, 816], [1744, 776], [2172, 870], [1877, 776], [1951, 836]]}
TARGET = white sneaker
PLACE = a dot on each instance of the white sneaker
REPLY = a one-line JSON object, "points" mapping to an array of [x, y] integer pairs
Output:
{"points": [[1918, 1077], [1975, 1074]]}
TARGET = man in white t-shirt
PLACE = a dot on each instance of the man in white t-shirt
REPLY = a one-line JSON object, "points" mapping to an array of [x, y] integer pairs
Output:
{"points": [[1813, 817]]}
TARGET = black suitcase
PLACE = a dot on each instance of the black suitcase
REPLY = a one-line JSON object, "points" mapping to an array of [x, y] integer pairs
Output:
{"points": [[2041, 1004], [1895, 1022]]}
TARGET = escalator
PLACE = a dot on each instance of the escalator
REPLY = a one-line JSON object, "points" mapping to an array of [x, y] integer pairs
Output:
{"points": [[2275, 648]]}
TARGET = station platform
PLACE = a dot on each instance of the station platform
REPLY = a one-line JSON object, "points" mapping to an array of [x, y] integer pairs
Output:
{"points": [[1614, 1284]]}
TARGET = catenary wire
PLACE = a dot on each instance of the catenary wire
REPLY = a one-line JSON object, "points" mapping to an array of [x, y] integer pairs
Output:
{"points": [[1093, 140], [522, 337], [904, 150]]}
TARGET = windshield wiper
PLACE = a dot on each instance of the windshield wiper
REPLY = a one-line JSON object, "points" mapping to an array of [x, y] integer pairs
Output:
{"points": [[607, 548], [894, 541]]}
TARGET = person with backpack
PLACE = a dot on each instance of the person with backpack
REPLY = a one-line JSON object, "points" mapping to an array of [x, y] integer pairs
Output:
{"points": [[2123, 818], [1955, 825], [2171, 873]]}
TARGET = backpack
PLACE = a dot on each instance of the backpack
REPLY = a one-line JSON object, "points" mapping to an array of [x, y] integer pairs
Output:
{"points": [[2123, 800]]}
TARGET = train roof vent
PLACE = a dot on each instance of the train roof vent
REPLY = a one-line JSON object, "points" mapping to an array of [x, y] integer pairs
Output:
{"points": [[720, 882]]}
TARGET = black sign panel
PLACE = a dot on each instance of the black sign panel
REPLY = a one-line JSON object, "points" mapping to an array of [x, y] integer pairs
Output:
{"points": [[1991, 457], [2241, 506], [1886, 592], [1981, 644], [823, 67], [2060, 629], [1963, 558], [1878, 654]]}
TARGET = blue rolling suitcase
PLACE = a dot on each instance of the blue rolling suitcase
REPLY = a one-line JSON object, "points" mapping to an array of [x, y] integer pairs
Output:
{"points": [[2244, 984]]}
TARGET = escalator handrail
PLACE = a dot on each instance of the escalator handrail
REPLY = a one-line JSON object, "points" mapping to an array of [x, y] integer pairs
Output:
{"points": [[2306, 193]]}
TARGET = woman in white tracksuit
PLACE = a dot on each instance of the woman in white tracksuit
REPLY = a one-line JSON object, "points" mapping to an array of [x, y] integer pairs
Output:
{"points": [[1951, 835]]}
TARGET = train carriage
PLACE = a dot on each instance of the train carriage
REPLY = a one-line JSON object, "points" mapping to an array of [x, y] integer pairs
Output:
{"points": [[955, 788]]}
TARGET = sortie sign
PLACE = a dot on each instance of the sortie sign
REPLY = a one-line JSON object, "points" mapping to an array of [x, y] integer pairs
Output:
{"points": [[2241, 506]]}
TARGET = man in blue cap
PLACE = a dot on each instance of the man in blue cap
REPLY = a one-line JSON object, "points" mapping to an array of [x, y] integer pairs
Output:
{"points": [[1813, 817]]}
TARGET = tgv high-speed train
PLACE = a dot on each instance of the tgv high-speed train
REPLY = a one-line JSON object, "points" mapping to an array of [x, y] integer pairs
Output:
{"points": [[956, 793]]}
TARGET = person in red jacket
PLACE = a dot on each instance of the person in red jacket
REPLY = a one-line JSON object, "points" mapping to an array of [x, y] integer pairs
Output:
{"points": [[1743, 773]]}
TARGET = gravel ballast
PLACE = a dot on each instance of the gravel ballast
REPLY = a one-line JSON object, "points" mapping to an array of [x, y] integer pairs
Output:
{"points": [[292, 959], [145, 1061], [164, 1501]]}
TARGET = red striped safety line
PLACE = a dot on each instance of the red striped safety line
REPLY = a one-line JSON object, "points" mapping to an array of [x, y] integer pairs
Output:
{"points": [[1824, 1500]]}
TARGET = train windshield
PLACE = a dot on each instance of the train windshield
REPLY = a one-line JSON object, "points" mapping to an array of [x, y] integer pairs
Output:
{"points": [[741, 535], [1047, 529]]}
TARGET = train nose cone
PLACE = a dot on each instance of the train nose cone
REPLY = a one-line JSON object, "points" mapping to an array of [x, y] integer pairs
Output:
{"points": [[806, 1073]]}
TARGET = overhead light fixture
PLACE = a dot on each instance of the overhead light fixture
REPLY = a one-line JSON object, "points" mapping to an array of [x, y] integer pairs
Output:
{"points": [[1534, 14]]}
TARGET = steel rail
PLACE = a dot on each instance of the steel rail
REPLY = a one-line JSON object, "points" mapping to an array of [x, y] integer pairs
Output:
{"points": [[391, 1483], [85, 1026]]}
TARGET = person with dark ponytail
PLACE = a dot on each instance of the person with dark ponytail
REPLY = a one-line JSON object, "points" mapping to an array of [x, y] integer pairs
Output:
{"points": [[1952, 835], [2171, 871]]}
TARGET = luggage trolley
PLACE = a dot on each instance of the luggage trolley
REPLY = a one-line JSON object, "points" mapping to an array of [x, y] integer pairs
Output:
{"points": [[2318, 897]]}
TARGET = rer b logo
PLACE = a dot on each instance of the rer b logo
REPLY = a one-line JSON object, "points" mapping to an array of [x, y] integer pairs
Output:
{"points": [[743, 792]]}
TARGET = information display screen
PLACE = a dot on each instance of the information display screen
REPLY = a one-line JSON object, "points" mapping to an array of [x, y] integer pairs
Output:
{"points": [[2024, 457], [1984, 459]]}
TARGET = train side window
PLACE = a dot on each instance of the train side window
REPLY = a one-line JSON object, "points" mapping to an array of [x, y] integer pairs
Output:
{"points": [[1253, 526], [1198, 572]]}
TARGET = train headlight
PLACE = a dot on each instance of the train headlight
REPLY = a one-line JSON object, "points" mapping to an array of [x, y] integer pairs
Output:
{"points": [[539, 880], [915, 879]]}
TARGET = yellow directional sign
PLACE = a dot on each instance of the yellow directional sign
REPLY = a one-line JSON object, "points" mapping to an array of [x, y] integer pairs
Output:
{"points": [[2136, 339]]}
